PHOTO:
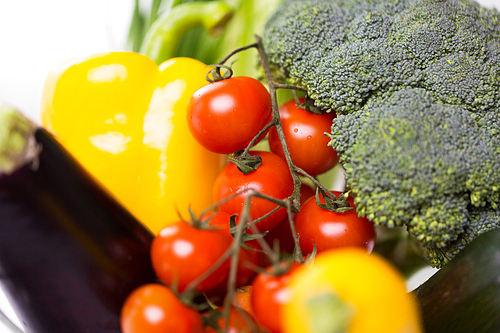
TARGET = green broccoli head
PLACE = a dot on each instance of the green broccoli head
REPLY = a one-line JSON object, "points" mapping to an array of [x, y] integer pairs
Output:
{"points": [[414, 162], [415, 85], [346, 53]]}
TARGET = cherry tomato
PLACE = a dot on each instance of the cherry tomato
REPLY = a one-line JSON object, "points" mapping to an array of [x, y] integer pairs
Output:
{"points": [[240, 321], [272, 178], [224, 116], [348, 290], [269, 293], [154, 308], [180, 253], [305, 137], [332, 230]]}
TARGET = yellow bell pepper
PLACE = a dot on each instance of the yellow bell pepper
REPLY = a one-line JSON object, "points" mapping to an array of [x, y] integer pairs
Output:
{"points": [[124, 118]]}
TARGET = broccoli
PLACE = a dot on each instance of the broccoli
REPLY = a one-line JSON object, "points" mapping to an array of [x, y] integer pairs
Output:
{"points": [[416, 88], [422, 164]]}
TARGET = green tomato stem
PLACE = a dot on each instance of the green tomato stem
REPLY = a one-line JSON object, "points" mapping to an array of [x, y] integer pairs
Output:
{"points": [[231, 288], [165, 33], [295, 199]]}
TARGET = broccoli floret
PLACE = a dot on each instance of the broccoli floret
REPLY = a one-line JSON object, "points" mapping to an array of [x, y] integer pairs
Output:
{"points": [[346, 53], [481, 220], [462, 79], [415, 85]]}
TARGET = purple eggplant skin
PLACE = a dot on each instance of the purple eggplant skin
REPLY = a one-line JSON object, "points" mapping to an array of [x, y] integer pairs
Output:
{"points": [[464, 295], [69, 252]]}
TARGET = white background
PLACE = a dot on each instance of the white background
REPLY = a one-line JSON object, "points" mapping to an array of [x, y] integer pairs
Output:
{"points": [[35, 35]]}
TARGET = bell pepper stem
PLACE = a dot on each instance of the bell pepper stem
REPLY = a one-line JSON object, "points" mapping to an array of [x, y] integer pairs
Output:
{"points": [[329, 314], [162, 39], [17, 145]]}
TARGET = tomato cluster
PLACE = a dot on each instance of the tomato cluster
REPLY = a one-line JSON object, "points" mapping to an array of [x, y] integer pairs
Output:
{"points": [[247, 221]]}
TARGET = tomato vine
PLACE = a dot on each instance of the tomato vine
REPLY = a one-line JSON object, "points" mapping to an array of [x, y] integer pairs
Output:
{"points": [[291, 203], [282, 194]]}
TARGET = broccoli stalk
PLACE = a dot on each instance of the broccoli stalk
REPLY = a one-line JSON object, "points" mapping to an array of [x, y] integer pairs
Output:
{"points": [[415, 85]]}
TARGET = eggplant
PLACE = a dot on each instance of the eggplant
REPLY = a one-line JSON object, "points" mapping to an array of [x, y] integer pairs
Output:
{"points": [[464, 295], [69, 252]]}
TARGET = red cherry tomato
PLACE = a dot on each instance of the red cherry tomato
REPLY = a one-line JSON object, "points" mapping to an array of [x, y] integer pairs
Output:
{"points": [[332, 230], [305, 137], [154, 308], [272, 178], [224, 116], [180, 253], [269, 293]]}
